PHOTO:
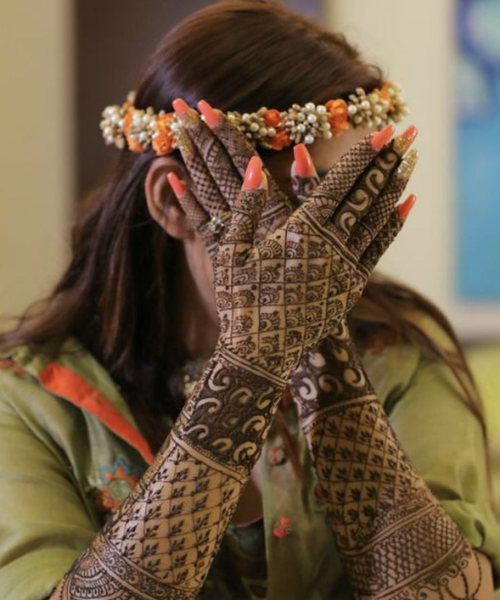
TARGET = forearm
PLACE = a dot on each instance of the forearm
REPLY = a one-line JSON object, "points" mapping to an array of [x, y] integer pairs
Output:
{"points": [[161, 542], [393, 535]]}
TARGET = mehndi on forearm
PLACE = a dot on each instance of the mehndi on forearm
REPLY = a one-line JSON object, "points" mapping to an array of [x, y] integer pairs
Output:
{"points": [[395, 539], [161, 542]]}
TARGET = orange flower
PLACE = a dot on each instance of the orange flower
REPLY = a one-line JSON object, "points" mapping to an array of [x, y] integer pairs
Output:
{"points": [[339, 116], [280, 140], [134, 145], [127, 122], [272, 117], [164, 142], [383, 93]]}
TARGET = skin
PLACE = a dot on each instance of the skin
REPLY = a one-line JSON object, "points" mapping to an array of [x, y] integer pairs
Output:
{"points": [[199, 325]]}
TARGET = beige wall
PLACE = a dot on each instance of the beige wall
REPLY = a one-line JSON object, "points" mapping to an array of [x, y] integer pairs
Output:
{"points": [[36, 151], [414, 42]]}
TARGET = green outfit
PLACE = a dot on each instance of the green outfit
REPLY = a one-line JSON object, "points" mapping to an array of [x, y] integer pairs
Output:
{"points": [[70, 452]]}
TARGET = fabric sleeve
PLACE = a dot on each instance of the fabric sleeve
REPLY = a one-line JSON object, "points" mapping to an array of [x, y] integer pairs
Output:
{"points": [[444, 441], [44, 526]]}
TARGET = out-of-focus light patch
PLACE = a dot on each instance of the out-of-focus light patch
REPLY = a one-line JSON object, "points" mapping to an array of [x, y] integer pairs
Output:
{"points": [[474, 97], [483, 29]]}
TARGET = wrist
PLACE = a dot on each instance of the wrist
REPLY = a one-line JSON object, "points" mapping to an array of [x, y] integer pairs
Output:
{"points": [[229, 413]]}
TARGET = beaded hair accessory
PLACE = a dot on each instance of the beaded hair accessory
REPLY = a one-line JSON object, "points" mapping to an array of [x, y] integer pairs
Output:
{"points": [[138, 129]]}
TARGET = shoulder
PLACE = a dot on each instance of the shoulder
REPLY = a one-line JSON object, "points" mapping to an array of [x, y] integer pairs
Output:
{"points": [[428, 364]]}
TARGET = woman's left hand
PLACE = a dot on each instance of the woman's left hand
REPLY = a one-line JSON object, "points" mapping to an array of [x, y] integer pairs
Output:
{"points": [[216, 157]]}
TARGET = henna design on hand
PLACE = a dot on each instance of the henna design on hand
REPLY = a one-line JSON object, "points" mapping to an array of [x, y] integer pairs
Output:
{"points": [[217, 160], [395, 539]]}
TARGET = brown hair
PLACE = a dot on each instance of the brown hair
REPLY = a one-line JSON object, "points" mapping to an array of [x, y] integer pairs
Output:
{"points": [[118, 294]]}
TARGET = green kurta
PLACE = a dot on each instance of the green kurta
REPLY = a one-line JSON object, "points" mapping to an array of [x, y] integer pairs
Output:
{"points": [[70, 452]]}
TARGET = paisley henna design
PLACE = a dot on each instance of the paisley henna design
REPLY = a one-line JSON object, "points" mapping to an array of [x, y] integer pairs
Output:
{"points": [[303, 187], [162, 540], [395, 539]]}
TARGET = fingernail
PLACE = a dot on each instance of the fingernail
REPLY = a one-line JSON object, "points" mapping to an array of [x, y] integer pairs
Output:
{"points": [[380, 139], [407, 165], [304, 166], [405, 140], [211, 115], [176, 184], [253, 174], [405, 208], [180, 107]]}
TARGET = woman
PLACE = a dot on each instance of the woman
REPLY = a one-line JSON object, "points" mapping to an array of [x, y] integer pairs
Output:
{"points": [[221, 294]]}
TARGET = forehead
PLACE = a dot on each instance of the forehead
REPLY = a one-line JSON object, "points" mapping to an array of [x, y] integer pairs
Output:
{"points": [[325, 153]]}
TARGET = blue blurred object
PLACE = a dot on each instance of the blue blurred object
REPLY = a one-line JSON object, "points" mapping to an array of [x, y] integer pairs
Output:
{"points": [[478, 149]]}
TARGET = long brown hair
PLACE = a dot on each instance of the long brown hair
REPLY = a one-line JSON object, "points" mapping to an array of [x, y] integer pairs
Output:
{"points": [[118, 294]]}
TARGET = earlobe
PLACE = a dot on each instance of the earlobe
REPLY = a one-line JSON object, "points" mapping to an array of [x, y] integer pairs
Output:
{"points": [[161, 201]]}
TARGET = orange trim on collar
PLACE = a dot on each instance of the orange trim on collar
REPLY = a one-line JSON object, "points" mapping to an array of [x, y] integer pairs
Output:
{"points": [[63, 382]]}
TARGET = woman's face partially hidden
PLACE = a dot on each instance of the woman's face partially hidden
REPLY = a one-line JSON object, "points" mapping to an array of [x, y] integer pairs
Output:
{"points": [[324, 153]]}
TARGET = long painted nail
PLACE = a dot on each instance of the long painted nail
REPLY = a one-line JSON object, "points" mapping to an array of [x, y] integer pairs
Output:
{"points": [[180, 107], [211, 115], [407, 166], [176, 184], [253, 174], [405, 140], [304, 166], [405, 208], [380, 139]]}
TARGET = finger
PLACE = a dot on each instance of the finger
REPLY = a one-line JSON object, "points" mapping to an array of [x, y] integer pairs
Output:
{"points": [[218, 163], [247, 208], [402, 143], [387, 235], [343, 175], [207, 191], [303, 174], [369, 227], [241, 151], [195, 214]]}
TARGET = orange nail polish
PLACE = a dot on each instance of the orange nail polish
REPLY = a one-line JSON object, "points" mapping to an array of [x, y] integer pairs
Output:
{"points": [[380, 139], [405, 208], [303, 162], [405, 140], [176, 184], [180, 106], [253, 174], [211, 115]]}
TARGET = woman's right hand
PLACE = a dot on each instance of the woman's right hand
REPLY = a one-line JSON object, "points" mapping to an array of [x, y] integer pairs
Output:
{"points": [[281, 296]]}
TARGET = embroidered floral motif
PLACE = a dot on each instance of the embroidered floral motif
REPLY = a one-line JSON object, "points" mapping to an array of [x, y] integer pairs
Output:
{"points": [[8, 363], [119, 481]]}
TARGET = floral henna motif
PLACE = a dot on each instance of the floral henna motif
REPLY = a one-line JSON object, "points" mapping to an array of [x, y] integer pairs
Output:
{"points": [[395, 540], [161, 542]]}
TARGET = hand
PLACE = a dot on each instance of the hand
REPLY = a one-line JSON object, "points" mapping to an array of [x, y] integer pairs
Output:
{"points": [[216, 158], [333, 372], [279, 297]]}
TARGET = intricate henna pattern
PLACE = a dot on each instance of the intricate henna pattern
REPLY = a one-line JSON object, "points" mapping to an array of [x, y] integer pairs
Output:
{"points": [[217, 165], [275, 299], [395, 540]]}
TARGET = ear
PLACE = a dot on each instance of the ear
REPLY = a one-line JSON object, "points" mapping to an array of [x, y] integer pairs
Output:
{"points": [[162, 204]]}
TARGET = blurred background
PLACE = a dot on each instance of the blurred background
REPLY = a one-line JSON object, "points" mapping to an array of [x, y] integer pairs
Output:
{"points": [[62, 62]]}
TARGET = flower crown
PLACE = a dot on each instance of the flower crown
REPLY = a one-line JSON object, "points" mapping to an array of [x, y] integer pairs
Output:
{"points": [[138, 129]]}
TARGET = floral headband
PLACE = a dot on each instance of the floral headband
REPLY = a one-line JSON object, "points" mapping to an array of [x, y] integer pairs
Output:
{"points": [[127, 126]]}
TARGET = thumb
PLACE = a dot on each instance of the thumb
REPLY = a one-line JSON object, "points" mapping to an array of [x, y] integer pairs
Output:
{"points": [[248, 206], [303, 174]]}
